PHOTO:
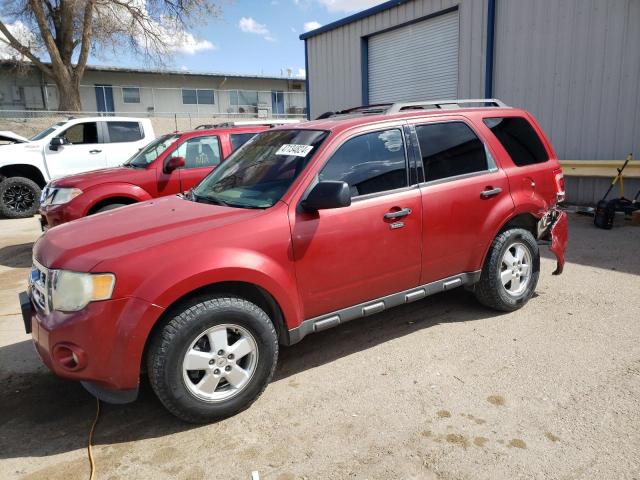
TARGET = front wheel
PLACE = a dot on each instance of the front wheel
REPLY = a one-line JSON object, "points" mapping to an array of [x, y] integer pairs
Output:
{"points": [[213, 359], [19, 197], [510, 273]]}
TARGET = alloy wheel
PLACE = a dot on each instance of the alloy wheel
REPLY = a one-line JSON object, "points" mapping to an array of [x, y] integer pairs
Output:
{"points": [[515, 269]]}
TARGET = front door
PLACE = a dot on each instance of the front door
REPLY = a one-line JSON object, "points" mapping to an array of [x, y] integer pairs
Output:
{"points": [[277, 102], [350, 255], [464, 199], [202, 155], [104, 99], [82, 151]]}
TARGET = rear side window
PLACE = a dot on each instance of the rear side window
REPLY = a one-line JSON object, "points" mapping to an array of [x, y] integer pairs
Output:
{"points": [[199, 152], [519, 139], [370, 163], [120, 132], [239, 139], [450, 149]]}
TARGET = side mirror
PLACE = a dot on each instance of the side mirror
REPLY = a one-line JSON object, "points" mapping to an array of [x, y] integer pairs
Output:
{"points": [[57, 142], [174, 163], [327, 194]]}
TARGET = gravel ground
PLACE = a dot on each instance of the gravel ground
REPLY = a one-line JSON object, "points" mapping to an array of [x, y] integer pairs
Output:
{"points": [[438, 389]]}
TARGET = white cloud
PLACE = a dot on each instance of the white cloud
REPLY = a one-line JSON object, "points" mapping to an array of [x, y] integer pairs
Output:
{"points": [[308, 26], [190, 45], [302, 73], [347, 6], [23, 34], [249, 25]]}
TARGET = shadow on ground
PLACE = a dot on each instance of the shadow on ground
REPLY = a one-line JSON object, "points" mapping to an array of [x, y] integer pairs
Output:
{"points": [[42, 415], [16, 256]]}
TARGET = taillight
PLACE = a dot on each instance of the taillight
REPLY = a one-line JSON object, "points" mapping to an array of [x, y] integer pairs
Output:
{"points": [[560, 192]]}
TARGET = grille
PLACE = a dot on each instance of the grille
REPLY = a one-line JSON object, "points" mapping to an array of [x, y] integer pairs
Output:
{"points": [[40, 281], [47, 195]]}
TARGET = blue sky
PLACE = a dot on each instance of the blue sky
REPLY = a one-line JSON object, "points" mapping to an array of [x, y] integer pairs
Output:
{"points": [[253, 36]]}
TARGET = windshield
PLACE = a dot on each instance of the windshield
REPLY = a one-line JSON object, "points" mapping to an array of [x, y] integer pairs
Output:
{"points": [[46, 132], [152, 151], [261, 171]]}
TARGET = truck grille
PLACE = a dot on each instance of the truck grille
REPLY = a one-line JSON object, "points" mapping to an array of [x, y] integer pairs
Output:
{"points": [[47, 195], [39, 286]]}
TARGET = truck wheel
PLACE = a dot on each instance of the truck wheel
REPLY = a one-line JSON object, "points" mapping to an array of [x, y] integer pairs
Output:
{"points": [[213, 359], [19, 197], [510, 273], [111, 206]]}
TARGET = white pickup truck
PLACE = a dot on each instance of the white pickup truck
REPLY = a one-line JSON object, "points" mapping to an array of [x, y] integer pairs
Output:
{"points": [[74, 146]]}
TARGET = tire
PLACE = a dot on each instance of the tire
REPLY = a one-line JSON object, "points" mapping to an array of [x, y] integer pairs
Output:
{"points": [[504, 284], [111, 206], [19, 197], [245, 326]]}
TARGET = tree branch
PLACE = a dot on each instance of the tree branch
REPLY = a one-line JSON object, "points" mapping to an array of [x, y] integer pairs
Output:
{"points": [[20, 48], [85, 39]]}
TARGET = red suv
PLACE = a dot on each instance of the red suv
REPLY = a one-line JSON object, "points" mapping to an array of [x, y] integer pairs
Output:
{"points": [[300, 230], [170, 164]]}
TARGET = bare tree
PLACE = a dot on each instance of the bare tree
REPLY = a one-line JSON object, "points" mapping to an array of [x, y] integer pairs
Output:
{"points": [[67, 31]]}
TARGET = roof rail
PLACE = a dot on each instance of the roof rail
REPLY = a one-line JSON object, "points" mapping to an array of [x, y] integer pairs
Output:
{"points": [[446, 104]]}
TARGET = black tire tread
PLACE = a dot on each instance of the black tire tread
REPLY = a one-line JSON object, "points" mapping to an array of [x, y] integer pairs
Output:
{"points": [[160, 343], [5, 212], [487, 288]]}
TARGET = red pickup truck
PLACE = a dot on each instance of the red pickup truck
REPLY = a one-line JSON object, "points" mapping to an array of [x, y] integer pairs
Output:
{"points": [[302, 229], [170, 164]]}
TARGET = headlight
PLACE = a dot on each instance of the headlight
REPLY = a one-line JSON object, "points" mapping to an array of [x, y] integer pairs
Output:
{"points": [[72, 291], [65, 195]]}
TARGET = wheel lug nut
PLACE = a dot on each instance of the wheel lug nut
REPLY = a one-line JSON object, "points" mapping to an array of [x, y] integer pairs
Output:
{"points": [[220, 352], [216, 372], [230, 357], [227, 368], [212, 361]]}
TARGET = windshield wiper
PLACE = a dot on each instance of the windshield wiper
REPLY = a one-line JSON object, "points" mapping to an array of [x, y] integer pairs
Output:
{"points": [[208, 199]]}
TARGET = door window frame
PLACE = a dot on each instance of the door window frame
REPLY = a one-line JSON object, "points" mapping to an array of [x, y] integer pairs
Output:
{"points": [[407, 154], [197, 137], [103, 129], [99, 133], [492, 165]]}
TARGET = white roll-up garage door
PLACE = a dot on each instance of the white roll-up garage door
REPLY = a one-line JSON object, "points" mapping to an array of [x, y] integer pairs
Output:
{"points": [[416, 62]]}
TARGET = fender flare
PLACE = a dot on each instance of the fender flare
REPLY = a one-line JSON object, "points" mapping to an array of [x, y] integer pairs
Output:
{"points": [[105, 191]]}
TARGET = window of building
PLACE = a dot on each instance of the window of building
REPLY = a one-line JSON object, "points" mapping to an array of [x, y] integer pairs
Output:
{"points": [[450, 149], [130, 94], [243, 97], [199, 152], [197, 96], [519, 139], [239, 139], [81, 133], [120, 132], [370, 163]]}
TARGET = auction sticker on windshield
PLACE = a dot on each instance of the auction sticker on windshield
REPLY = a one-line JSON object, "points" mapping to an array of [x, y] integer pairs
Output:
{"points": [[295, 150]]}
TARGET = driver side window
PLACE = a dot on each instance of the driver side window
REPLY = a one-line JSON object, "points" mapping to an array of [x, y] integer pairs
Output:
{"points": [[370, 163], [81, 134], [199, 152]]}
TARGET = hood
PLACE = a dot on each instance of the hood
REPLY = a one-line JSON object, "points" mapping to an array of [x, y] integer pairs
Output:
{"points": [[93, 178], [12, 137], [82, 244]]}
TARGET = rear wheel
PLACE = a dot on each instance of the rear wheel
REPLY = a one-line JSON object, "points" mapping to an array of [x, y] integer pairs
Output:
{"points": [[19, 197], [510, 273], [213, 359]]}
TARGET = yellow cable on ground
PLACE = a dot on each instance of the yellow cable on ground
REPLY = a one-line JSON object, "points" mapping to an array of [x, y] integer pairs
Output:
{"points": [[92, 462]]}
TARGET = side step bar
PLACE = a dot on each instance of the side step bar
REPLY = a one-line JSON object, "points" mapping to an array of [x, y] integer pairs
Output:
{"points": [[329, 320]]}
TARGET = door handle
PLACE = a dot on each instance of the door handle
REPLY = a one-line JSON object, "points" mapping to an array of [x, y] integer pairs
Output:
{"points": [[95, 151], [490, 192], [399, 214]]}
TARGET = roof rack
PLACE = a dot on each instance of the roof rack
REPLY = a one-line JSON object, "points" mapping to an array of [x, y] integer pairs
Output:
{"points": [[390, 108], [272, 122], [446, 104]]}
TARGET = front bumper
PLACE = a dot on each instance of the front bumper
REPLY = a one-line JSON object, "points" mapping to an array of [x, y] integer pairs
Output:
{"points": [[54, 215], [107, 339]]}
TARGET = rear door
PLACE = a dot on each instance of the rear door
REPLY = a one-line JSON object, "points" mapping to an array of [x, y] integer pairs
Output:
{"points": [[349, 255], [201, 154], [83, 151], [121, 140], [465, 196]]}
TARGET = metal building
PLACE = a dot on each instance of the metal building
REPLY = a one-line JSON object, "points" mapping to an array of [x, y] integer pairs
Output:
{"points": [[575, 64]]}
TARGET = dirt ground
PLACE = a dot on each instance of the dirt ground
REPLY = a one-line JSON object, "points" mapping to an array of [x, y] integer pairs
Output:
{"points": [[438, 389]]}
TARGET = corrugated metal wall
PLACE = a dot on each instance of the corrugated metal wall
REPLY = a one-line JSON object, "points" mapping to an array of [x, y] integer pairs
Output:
{"points": [[575, 64], [334, 68]]}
